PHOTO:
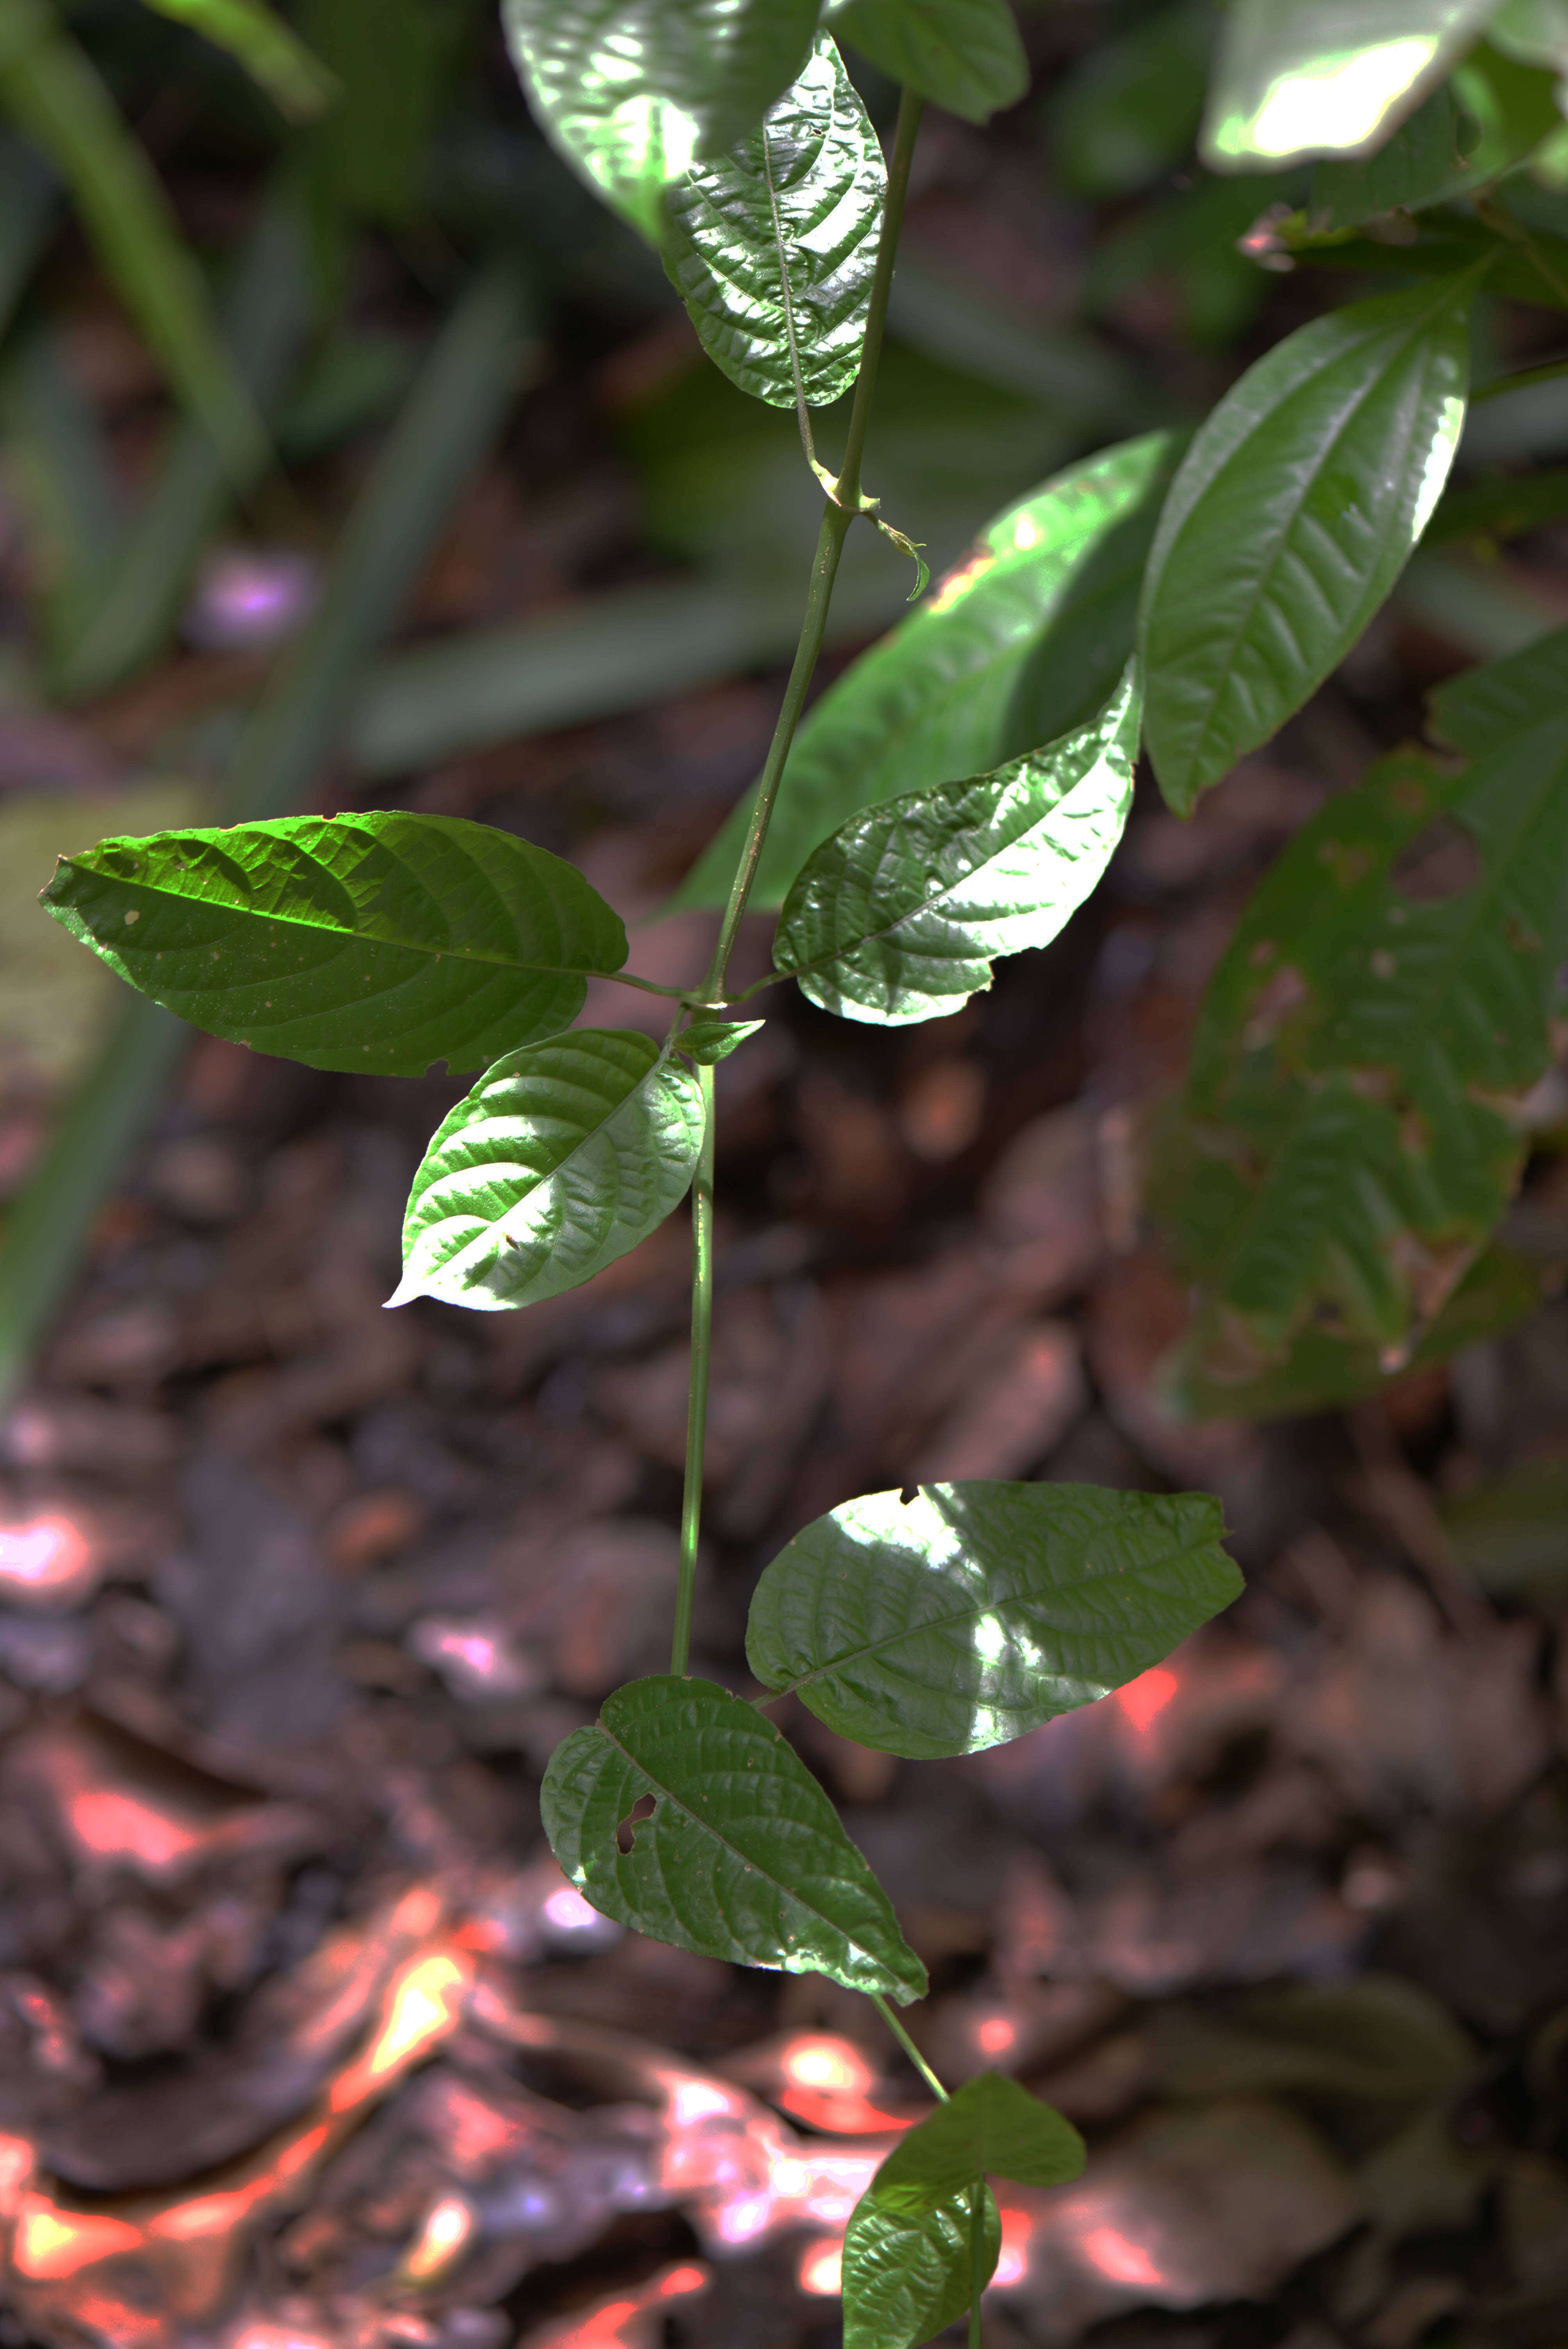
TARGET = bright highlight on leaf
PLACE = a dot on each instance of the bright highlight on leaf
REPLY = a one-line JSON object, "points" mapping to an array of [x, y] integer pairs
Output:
{"points": [[1292, 515], [963, 55], [632, 92], [378, 944], [1299, 78], [1023, 642], [562, 1158], [1349, 1132], [270, 50], [907, 2274], [743, 1856], [975, 1611], [899, 915], [772, 245], [990, 2128]]}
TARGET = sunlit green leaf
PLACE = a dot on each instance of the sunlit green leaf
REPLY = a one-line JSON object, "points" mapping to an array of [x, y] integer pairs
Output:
{"points": [[990, 2128], [1022, 643], [271, 51], [899, 915], [1482, 123], [1129, 109], [1351, 1124], [907, 2275], [633, 91], [1289, 521], [971, 1612], [742, 1856], [1534, 31], [1299, 78], [710, 1040], [52, 92], [562, 1158], [773, 244], [377, 943], [963, 55]]}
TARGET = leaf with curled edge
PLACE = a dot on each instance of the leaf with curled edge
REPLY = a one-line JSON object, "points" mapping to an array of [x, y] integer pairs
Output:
{"points": [[899, 916], [1289, 520], [1020, 645], [632, 92], [908, 2274], [376, 944], [742, 1858], [772, 245], [562, 1158], [971, 1613], [1350, 1132]]}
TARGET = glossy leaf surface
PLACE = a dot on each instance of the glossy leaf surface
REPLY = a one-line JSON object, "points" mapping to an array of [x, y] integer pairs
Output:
{"points": [[772, 244], [562, 1157], [707, 1041], [990, 2128], [1290, 519], [907, 2273], [270, 50], [1299, 78], [1022, 643], [1350, 1122], [962, 55], [899, 916], [633, 91], [975, 1611], [377, 943], [742, 1856]]}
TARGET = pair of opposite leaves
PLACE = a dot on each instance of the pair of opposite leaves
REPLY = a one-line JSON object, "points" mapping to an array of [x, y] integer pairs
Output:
{"points": [[379, 943]]}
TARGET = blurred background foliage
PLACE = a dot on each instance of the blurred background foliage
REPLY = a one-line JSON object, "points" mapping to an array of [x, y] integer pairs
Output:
{"points": [[274, 296]]}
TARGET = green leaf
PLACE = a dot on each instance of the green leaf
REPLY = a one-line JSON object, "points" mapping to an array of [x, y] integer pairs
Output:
{"points": [[632, 92], [1534, 31], [972, 1612], [1129, 109], [1021, 644], [1441, 247], [1484, 710], [1351, 1124], [1483, 123], [270, 52], [562, 1158], [742, 1858], [394, 61], [378, 943], [907, 2275], [772, 245], [1291, 516], [990, 2128], [962, 55], [53, 92], [899, 915], [1299, 78], [710, 1041]]}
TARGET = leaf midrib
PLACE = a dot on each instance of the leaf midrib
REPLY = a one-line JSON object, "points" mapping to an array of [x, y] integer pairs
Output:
{"points": [[459, 954], [754, 1865], [972, 1614]]}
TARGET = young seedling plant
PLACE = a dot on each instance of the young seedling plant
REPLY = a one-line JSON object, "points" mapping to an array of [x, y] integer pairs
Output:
{"points": [[953, 800]]}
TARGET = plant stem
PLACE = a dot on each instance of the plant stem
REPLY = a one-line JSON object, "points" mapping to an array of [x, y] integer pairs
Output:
{"points": [[696, 1393], [907, 2043], [836, 519], [976, 2259]]}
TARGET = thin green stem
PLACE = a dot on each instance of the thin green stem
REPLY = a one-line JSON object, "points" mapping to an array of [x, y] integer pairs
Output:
{"points": [[907, 2043], [837, 517], [976, 2259], [648, 986], [697, 1399]]}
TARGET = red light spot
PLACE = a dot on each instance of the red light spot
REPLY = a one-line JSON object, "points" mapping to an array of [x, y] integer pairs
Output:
{"points": [[995, 2035], [1124, 2263], [1145, 1699]]}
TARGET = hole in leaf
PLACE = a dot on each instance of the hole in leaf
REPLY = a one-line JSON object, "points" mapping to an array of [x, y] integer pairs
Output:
{"points": [[1441, 862], [626, 1833]]}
